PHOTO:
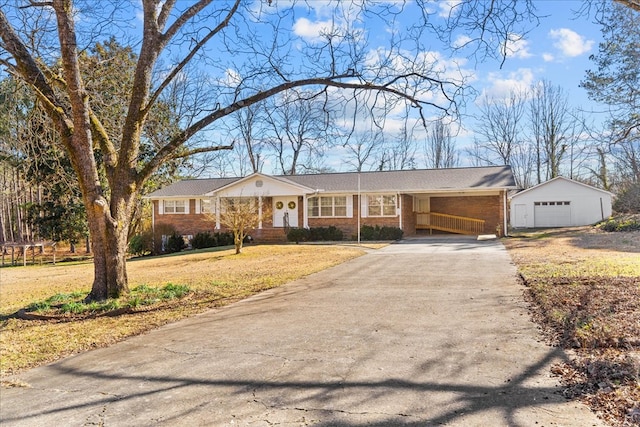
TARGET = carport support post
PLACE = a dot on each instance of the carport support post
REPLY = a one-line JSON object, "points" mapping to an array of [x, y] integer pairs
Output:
{"points": [[359, 207], [504, 214]]}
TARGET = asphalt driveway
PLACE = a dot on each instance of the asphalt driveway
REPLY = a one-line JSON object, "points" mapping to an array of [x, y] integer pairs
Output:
{"points": [[425, 332]]}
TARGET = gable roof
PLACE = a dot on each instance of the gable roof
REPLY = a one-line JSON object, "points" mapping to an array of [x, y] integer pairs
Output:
{"points": [[416, 180], [562, 178], [259, 175]]}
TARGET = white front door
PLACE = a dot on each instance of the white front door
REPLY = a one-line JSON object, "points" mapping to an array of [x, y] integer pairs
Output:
{"points": [[285, 211]]}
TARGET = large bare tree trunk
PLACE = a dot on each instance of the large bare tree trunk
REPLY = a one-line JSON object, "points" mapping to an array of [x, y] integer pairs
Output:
{"points": [[106, 230]]}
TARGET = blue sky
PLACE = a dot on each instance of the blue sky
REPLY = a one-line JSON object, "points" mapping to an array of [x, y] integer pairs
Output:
{"points": [[557, 50]]}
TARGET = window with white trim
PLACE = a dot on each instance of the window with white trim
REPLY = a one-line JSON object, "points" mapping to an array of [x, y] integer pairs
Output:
{"points": [[175, 206], [207, 206], [381, 205], [327, 206]]}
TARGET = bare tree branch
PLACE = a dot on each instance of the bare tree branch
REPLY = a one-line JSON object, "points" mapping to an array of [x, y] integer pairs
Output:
{"points": [[187, 59]]}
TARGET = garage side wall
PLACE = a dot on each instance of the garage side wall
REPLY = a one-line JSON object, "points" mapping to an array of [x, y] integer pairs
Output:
{"points": [[588, 205]]}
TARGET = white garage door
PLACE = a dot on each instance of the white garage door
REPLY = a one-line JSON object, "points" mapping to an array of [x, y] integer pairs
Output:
{"points": [[552, 214]]}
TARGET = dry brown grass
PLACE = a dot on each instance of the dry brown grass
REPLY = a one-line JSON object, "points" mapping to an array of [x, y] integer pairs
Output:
{"points": [[215, 277], [584, 287]]}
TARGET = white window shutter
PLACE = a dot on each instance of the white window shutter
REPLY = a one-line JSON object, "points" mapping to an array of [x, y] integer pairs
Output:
{"points": [[364, 203], [350, 206], [161, 207], [186, 207], [198, 208]]}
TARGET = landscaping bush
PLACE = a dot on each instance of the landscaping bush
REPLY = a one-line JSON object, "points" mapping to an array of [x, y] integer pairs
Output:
{"points": [[315, 234], [141, 244], [298, 235], [390, 233], [175, 243], [325, 234], [203, 240], [624, 223], [368, 232], [158, 242], [224, 239]]}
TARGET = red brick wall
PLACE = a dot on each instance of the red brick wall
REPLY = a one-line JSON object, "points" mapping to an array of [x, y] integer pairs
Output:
{"points": [[184, 224], [488, 208], [192, 223], [349, 226]]}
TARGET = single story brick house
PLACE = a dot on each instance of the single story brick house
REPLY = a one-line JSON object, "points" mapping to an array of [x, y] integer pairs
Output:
{"points": [[457, 200]]}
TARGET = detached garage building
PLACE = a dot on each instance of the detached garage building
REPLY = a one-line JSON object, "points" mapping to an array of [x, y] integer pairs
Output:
{"points": [[560, 202]]}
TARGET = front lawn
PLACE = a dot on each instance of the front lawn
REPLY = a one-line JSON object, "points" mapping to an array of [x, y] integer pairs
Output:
{"points": [[59, 325]]}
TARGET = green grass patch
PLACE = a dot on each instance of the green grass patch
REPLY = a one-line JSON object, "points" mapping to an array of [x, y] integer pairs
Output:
{"points": [[74, 304]]}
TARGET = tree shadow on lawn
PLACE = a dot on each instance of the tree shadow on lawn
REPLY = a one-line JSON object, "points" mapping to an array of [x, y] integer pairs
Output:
{"points": [[462, 399]]}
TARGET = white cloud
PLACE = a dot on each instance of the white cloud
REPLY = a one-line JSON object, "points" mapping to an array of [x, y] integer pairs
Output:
{"points": [[547, 57], [517, 47], [311, 30], [448, 7], [231, 78], [501, 87], [569, 42], [461, 41]]}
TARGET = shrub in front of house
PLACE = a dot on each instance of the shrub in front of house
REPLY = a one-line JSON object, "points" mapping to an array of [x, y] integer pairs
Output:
{"points": [[141, 244], [325, 234], [175, 243], [224, 239], [315, 234], [162, 231], [203, 240], [391, 233], [368, 232], [298, 235]]}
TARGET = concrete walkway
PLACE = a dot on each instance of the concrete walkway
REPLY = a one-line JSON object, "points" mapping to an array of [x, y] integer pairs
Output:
{"points": [[427, 332]]}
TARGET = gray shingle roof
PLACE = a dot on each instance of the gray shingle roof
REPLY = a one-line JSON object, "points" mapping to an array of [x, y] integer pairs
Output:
{"points": [[412, 180], [192, 187], [420, 180]]}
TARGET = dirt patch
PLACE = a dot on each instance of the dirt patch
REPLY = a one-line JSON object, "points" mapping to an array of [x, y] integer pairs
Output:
{"points": [[584, 289]]}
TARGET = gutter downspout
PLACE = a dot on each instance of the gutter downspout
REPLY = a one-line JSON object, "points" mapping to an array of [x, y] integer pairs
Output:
{"points": [[359, 208], [504, 233], [400, 208]]}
